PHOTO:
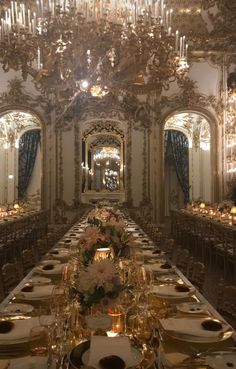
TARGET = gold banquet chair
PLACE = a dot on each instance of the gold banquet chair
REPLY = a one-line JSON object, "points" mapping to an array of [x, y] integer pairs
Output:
{"points": [[10, 277]]}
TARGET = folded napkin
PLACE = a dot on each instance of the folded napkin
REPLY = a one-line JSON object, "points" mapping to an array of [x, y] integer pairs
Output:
{"points": [[157, 267], [60, 254], [38, 292], [102, 346], [150, 254], [191, 327], [20, 331], [170, 291], [57, 269], [4, 364], [30, 362], [172, 358]]}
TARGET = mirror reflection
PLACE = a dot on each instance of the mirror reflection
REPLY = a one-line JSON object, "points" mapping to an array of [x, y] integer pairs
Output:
{"points": [[102, 164]]}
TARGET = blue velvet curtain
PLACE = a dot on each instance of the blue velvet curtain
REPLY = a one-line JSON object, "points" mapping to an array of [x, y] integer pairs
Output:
{"points": [[177, 150], [28, 147]]}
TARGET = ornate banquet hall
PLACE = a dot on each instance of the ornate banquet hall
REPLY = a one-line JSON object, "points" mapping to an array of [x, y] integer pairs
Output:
{"points": [[117, 184]]}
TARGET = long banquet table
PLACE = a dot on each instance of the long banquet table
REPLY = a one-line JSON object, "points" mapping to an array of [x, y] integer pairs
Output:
{"points": [[176, 338]]}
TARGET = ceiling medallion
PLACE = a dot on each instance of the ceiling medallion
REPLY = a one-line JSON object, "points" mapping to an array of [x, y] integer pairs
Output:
{"points": [[92, 46]]}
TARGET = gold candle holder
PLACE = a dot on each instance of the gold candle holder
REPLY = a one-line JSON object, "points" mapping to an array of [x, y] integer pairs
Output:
{"points": [[103, 253]]}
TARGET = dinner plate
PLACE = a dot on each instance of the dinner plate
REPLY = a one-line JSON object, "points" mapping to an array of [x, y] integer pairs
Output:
{"points": [[192, 307], [29, 362], [39, 281], [136, 357], [50, 262], [80, 354], [187, 327], [194, 339], [170, 278], [170, 291], [221, 360], [15, 309]]}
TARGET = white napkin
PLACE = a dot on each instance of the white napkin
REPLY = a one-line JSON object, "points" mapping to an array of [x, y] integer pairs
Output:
{"points": [[149, 254], [38, 293], [4, 364], [30, 362], [190, 327], [170, 291], [172, 358], [60, 254], [20, 332], [106, 346]]}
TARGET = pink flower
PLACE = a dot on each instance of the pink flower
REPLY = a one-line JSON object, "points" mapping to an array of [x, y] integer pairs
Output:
{"points": [[90, 237], [99, 274]]}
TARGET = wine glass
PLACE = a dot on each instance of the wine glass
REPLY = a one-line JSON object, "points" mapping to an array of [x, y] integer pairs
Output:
{"points": [[48, 321], [127, 302], [38, 341]]}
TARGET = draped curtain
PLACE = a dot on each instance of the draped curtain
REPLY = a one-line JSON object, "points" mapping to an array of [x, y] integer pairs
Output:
{"points": [[177, 151], [28, 147]]}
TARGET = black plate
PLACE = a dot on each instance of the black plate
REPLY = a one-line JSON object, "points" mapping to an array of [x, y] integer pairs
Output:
{"points": [[77, 353]]}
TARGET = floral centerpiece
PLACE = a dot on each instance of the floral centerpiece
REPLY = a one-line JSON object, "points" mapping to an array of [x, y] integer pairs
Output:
{"points": [[99, 283], [105, 231], [90, 241], [100, 215], [120, 239]]}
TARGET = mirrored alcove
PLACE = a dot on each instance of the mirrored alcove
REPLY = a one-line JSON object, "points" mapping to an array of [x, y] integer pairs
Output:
{"points": [[20, 158], [188, 168], [102, 165]]}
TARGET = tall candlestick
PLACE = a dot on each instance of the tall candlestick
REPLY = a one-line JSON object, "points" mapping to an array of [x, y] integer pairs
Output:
{"points": [[176, 40], [39, 58], [180, 47]]}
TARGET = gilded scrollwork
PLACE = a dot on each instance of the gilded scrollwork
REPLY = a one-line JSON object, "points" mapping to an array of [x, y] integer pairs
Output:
{"points": [[16, 96], [103, 126], [188, 98]]}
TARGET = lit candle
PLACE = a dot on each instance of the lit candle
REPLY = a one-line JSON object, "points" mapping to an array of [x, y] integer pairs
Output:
{"points": [[180, 47], [39, 58], [176, 40]]}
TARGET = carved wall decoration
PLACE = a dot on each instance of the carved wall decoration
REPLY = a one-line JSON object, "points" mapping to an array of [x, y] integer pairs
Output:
{"points": [[103, 126], [16, 96], [110, 141], [188, 98]]}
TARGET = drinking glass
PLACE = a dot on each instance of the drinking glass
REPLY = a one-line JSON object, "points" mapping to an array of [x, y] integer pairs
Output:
{"points": [[38, 341]]}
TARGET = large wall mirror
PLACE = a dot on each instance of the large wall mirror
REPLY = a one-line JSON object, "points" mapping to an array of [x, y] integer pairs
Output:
{"points": [[187, 160], [103, 165], [20, 158]]}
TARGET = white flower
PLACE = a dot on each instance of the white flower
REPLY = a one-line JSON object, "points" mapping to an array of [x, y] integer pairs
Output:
{"points": [[101, 273]]}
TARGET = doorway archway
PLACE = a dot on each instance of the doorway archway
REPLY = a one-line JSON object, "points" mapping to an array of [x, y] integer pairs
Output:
{"points": [[188, 177], [20, 158]]}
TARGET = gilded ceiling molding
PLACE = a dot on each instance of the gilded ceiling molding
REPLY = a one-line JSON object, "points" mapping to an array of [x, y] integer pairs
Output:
{"points": [[188, 98]]}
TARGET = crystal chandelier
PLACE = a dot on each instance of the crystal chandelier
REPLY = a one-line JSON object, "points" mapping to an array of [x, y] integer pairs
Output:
{"points": [[92, 46], [107, 153]]}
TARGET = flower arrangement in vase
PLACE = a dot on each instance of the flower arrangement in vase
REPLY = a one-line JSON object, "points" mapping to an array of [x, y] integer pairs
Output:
{"points": [[98, 283]]}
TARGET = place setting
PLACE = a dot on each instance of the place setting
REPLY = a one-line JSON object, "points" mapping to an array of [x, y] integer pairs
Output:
{"points": [[196, 330], [175, 291]]}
